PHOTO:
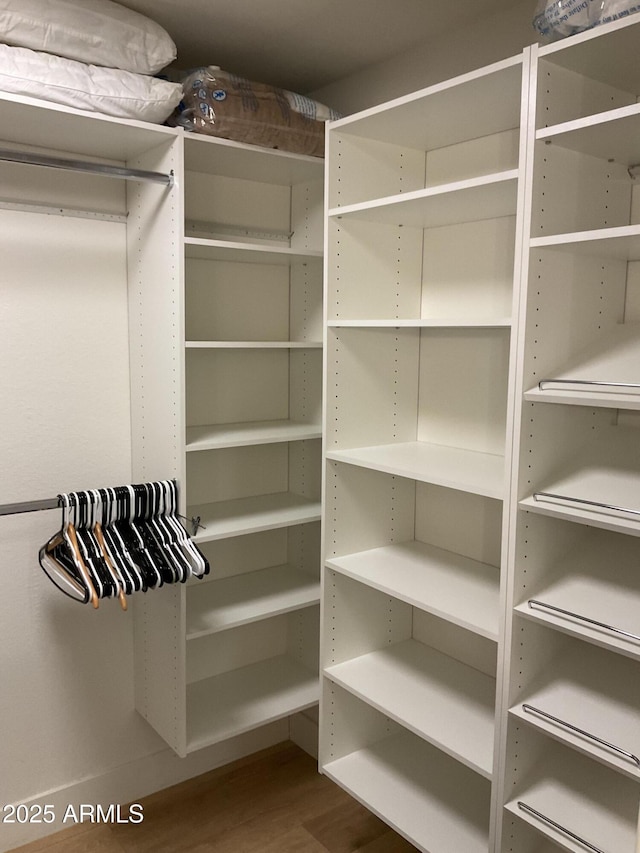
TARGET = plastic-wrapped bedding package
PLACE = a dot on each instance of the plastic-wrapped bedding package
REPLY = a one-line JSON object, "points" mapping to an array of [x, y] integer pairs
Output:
{"points": [[218, 103], [557, 19]]}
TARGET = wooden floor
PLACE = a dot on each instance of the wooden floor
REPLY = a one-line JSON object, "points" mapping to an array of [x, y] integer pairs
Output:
{"points": [[274, 802]]}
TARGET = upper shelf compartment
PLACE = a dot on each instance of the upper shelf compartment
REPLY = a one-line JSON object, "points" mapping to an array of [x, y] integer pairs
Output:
{"points": [[454, 131], [41, 125], [591, 72]]}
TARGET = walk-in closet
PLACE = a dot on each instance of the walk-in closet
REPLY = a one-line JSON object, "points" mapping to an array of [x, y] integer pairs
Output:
{"points": [[319, 506]]}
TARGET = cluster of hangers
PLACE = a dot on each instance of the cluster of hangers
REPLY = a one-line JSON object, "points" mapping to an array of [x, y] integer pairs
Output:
{"points": [[117, 541]]}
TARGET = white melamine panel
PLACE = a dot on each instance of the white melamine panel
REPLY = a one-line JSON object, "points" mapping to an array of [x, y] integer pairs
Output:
{"points": [[242, 207], [607, 373], [437, 521], [227, 301], [372, 370], [437, 804], [75, 132], [577, 192], [375, 270], [606, 54], [590, 801], [600, 484], [443, 701], [361, 169], [452, 467], [246, 433], [587, 698], [239, 160], [483, 155], [245, 598], [239, 700], [621, 242], [199, 248], [305, 385], [597, 580], [565, 95], [574, 301], [237, 472], [468, 271], [242, 516], [448, 585], [473, 105], [463, 388], [611, 135], [227, 386], [487, 197]]}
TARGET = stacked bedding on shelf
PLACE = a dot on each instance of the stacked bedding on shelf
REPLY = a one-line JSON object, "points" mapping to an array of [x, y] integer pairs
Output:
{"points": [[93, 55], [218, 103]]}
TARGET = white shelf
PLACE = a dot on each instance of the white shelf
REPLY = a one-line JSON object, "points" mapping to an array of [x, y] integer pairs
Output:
{"points": [[241, 599], [212, 437], [237, 701], [247, 253], [452, 467], [439, 805], [606, 473], [612, 135], [462, 591], [594, 803], [447, 703], [607, 53], [596, 692], [439, 115], [434, 323], [242, 516], [614, 358], [43, 124], [622, 242], [231, 159], [487, 197], [599, 581], [253, 344]]}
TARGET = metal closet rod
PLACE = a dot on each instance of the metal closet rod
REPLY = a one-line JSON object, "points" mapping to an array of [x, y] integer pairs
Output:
{"points": [[103, 169], [54, 503], [29, 506]]}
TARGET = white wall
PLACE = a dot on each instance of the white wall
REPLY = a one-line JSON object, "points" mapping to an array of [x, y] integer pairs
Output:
{"points": [[491, 38], [69, 734]]}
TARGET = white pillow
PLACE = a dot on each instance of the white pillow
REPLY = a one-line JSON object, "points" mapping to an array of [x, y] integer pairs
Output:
{"points": [[99, 32], [86, 87]]}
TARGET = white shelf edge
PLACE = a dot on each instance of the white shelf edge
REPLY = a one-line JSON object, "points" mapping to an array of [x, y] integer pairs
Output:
{"points": [[253, 344], [437, 464], [598, 238], [593, 120], [392, 680], [420, 777], [241, 516], [415, 564], [435, 323], [249, 252], [426, 194], [214, 437], [252, 597], [240, 700]]}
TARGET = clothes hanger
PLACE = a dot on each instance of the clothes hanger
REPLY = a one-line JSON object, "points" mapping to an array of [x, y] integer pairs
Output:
{"points": [[199, 564], [96, 529], [69, 535]]}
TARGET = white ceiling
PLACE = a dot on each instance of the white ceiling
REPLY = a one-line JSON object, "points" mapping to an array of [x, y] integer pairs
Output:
{"points": [[304, 44]]}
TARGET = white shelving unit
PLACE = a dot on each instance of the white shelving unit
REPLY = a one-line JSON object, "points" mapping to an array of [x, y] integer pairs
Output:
{"points": [[571, 745], [419, 369], [248, 351]]}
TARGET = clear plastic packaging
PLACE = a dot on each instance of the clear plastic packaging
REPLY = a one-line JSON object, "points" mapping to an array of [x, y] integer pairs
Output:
{"points": [[218, 103], [557, 19]]}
